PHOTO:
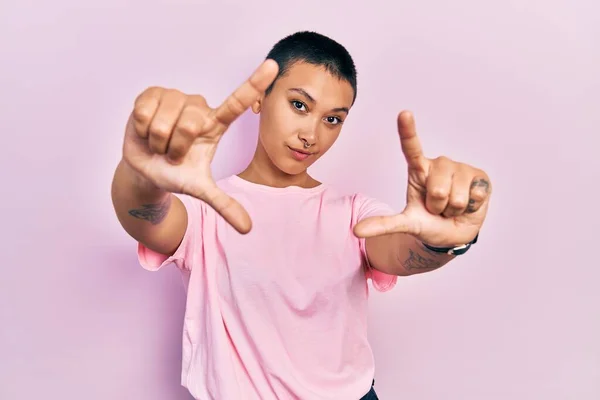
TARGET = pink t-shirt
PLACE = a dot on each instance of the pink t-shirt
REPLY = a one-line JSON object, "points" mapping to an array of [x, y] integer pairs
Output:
{"points": [[279, 313]]}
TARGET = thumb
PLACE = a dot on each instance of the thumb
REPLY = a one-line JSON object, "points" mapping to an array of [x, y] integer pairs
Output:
{"points": [[384, 225], [227, 207]]}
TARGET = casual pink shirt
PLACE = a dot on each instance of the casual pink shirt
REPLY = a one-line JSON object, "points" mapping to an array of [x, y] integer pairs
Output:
{"points": [[279, 313]]}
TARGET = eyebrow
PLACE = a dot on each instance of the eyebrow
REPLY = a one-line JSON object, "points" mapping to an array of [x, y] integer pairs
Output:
{"points": [[312, 100]]}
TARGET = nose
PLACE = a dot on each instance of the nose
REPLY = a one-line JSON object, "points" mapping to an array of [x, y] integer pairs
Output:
{"points": [[308, 139]]}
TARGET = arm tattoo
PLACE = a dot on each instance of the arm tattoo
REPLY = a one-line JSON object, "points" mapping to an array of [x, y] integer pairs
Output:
{"points": [[155, 213], [421, 261]]}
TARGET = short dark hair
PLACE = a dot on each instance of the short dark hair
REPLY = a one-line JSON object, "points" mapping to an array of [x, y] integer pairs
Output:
{"points": [[316, 49]]}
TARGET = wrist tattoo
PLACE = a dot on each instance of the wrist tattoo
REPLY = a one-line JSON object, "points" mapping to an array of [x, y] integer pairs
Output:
{"points": [[421, 261], [154, 213]]}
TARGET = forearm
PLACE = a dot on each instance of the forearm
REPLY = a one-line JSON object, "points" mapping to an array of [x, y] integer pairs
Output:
{"points": [[402, 254], [140, 206], [414, 258]]}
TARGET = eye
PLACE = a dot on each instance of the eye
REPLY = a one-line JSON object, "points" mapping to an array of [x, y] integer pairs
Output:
{"points": [[298, 105], [333, 120]]}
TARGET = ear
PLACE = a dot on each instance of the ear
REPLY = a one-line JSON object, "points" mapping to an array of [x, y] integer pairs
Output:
{"points": [[257, 105]]}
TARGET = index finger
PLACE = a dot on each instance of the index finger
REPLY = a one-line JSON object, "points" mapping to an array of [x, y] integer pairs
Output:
{"points": [[411, 146], [240, 100]]}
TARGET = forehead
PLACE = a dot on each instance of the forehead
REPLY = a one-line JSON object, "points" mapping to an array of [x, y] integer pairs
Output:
{"points": [[319, 83]]}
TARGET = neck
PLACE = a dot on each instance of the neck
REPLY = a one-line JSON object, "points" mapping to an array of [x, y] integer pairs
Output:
{"points": [[261, 170]]}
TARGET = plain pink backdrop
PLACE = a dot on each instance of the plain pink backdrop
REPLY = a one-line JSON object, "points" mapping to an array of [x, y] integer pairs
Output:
{"points": [[508, 86]]}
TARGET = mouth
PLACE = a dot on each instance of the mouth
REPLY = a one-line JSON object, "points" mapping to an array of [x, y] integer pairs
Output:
{"points": [[308, 153], [299, 155]]}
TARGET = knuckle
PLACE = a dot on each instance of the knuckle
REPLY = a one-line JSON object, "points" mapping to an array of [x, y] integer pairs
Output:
{"points": [[160, 130], [142, 112], [146, 103], [443, 159], [459, 202], [153, 89], [439, 193], [481, 173], [197, 100], [190, 127], [173, 94], [209, 124], [235, 105], [140, 129], [150, 91]]}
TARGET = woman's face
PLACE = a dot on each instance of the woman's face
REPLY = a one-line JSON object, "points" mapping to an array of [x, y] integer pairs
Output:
{"points": [[306, 105]]}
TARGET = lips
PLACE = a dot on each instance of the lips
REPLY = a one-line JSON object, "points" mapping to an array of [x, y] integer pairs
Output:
{"points": [[308, 153], [299, 155]]}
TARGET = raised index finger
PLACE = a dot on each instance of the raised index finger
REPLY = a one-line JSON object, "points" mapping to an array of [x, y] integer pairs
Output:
{"points": [[247, 93], [411, 146]]}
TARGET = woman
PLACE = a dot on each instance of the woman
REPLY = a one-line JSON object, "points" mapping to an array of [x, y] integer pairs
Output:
{"points": [[276, 263]]}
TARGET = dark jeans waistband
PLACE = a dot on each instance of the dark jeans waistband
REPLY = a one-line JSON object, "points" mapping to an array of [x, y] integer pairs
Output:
{"points": [[371, 395]]}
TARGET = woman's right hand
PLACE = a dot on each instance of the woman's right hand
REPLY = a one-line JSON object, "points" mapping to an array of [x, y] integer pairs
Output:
{"points": [[171, 139]]}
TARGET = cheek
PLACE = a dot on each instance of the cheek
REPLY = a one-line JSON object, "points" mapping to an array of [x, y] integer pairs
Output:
{"points": [[276, 119], [269, 128], [327, 138]]}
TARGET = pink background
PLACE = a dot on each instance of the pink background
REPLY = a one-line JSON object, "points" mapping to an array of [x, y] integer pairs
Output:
{"points": [[509, 86]]}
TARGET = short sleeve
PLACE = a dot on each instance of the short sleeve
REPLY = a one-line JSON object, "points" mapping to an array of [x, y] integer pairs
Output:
{"points": [[153, 261], [368, 207]]}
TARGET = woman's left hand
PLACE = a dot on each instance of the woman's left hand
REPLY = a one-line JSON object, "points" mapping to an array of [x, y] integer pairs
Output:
{"points": [[447, 201]]}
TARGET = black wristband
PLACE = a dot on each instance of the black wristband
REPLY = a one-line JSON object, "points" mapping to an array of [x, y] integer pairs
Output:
{"points": [[458, 250]]}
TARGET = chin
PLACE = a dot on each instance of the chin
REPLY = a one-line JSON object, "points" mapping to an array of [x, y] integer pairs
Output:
{"points": [[291, 168], [288, 165]]}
